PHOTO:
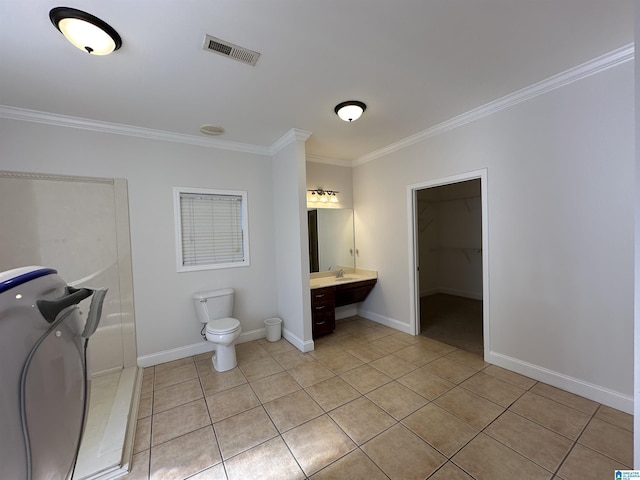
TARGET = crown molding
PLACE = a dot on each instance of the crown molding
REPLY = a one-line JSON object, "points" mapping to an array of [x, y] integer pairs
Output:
{"points": [[592, 67], [34, 116], [292, 135]]}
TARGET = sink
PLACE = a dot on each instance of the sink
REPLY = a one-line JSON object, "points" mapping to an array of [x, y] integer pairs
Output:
{"points": [[345, 279]]}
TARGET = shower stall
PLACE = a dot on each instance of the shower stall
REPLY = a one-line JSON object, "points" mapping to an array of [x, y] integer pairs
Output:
{"points": [[79, 226]]}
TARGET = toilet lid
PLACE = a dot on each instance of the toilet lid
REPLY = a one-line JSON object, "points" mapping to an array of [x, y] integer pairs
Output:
{"points": [[222, 325]]}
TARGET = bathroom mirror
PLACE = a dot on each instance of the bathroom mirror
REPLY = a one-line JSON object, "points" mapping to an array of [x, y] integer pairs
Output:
{"points": [[331, 239]]}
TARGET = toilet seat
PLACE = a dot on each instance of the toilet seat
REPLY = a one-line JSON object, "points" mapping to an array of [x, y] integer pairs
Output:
{"points": [[222, 326]]}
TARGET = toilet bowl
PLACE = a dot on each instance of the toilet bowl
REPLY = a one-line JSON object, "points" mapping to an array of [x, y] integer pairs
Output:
{"points": [[214, 308]]}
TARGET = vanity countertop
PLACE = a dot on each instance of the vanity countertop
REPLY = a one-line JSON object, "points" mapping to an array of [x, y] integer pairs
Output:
{"points": [[328, 279]]}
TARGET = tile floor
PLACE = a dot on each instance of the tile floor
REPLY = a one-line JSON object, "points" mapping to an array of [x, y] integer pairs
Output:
{"points": [[369, 403]]}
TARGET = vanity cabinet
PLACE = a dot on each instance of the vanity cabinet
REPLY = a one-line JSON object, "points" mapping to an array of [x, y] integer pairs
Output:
{"points": [[325, 300], [323, 309]]}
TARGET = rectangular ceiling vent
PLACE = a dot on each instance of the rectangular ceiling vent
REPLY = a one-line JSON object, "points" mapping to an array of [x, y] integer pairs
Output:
{"points": [[230, 50]]}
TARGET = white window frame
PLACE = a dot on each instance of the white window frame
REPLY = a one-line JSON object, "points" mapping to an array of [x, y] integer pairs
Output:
{"points": [[181, 267]]}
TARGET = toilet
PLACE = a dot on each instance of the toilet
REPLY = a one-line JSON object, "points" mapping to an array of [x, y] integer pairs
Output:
{"points": [[214, 308]]}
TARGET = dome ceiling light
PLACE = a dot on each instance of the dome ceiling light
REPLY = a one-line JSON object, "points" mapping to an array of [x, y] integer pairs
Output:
{"points": [[85, 31], [350, 110]]}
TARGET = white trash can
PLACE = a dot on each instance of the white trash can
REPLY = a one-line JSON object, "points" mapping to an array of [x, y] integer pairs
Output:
{"points": [[274, 329]]}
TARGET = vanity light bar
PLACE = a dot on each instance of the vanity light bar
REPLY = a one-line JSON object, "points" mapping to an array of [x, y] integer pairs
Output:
{"points": [[319, 194]]}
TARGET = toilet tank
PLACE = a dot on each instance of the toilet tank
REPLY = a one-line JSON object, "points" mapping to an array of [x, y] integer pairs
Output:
{"points": [[213, 304]]}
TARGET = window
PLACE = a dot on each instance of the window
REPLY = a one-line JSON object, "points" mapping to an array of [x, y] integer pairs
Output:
{"points": [[211, 229]]}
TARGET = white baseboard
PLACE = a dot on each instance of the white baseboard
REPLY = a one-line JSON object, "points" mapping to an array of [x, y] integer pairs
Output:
{"points": [[194, 349], [613, 399], [297, 342], [389, 322]]}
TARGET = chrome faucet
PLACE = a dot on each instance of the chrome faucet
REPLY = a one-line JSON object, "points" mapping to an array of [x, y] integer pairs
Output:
{"points": [[340, 273]]}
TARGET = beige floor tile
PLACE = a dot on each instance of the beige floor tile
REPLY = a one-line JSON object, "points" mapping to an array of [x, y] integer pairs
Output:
{"points": [[569, 399], [317, 443], [177, 394], [212, 473], [325, 350], [244, 431], [332, 393], [367, 352], [163, 367], [145, 407], [215, 382], [260, 369], [486, 458], [402, 455], [437, 347], [292, 410], [147, 382], [470, 407], [426, 384], [274, 386], [468, 359], [492, 388], [553, 415], [361, 419], [583, 463], [310, 373], [455, 372], [142, 440], [176, 375], [250, 352], [340, 362], [276, 347], [185, 455], [139, 467], [179, 421], [450, 471], [292, 359], [270, 461], [365, 378], [353, 466], [508, 376], [417, 354], [230, 402], [347, 342], [390, 343], [393, 366], [442, 430], [612, 441], [615, 417], [406, 338], [545, 447], [397, 400]]}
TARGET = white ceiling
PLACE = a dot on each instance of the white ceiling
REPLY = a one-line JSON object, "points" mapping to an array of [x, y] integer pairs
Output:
{"points": [[415, 63]]}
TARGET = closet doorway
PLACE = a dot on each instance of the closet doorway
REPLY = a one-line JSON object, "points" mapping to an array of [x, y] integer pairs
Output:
{"points": [[449, 261]]}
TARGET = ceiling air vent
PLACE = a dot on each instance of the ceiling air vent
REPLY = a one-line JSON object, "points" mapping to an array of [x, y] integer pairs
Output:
{"points": [[230, 50]]}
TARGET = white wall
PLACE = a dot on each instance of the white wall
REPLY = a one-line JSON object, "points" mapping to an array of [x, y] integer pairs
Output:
{"points": [[165, 316], [292, 242], [560, 213]]}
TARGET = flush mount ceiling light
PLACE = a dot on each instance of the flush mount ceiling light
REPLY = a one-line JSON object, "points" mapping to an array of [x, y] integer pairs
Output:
{"points": [[85, 31], [350, 110]]}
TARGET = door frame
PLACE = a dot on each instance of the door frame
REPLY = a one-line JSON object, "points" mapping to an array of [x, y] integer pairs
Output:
{"points": [[412, 208]]}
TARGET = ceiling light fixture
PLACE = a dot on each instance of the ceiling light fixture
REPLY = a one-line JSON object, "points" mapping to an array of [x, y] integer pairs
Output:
{"points": [[85, 31], [324, 196], [350, 110]]}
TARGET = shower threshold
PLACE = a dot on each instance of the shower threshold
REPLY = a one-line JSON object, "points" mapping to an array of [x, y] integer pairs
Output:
{"points": [[107, 443]]}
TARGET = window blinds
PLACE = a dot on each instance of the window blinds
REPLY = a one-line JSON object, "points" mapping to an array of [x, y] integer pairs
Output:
{"points": [[211, 227]]}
